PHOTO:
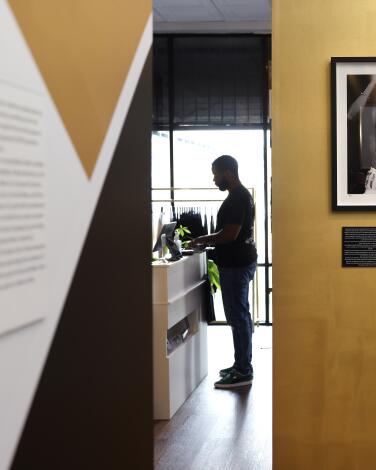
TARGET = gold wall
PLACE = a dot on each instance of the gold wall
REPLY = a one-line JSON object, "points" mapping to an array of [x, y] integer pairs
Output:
{"points": [[324, 316]]}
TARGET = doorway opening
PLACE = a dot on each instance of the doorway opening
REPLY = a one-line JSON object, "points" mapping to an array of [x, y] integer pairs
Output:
{"points": [[211, 97]]}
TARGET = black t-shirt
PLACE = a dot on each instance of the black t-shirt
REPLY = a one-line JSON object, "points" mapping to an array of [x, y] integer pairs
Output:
{"points": [[237, 209]]}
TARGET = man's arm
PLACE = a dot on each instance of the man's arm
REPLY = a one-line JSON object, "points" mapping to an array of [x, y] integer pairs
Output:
{"points": [[228, 234]]}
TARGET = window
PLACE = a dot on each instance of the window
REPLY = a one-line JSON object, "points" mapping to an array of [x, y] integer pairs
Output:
{"points": [[210, 99]]}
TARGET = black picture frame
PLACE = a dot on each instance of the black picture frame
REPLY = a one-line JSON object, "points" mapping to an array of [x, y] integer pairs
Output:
{"points": [[353, 123]]}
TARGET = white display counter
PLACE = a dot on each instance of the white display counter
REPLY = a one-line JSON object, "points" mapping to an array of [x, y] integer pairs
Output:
{"points": [[178, 304]]}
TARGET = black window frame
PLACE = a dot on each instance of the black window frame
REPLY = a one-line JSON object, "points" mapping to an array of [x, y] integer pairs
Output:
{"points": [[265, 126]]}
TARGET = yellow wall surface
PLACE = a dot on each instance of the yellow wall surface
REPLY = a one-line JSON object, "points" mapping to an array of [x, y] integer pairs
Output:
{"points": [[324, 315]]}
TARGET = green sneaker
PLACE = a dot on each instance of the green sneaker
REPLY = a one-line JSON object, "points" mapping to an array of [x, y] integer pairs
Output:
{"points": [[224, 372], [234, 379]]}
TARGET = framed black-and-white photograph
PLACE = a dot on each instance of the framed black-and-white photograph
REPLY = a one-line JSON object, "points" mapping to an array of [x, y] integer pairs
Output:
{"points": [[353, 133]]}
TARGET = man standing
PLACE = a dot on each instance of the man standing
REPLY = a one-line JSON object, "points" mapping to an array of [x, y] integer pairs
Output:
{"points": [[237, 259]]}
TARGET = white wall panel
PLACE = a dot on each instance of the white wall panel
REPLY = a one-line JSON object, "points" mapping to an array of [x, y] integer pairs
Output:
{"points": [[71, 201]]}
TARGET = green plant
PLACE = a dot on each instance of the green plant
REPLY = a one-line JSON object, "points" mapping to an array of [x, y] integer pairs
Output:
{"points": [[184, 232], [213, 274]]}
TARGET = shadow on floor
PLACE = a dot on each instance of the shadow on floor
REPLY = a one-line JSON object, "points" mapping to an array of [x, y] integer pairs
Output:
{"points": [[222, 429]]}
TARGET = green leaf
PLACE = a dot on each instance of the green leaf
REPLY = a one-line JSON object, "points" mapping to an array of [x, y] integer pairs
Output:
{"points": [[182, 231], [213, 274]]}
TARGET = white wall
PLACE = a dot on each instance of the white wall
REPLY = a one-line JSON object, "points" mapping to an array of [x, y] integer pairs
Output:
{"points": [[71, 201]]}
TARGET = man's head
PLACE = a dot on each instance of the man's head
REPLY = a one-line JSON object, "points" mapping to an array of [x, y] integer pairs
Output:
{"points": [[225, 171]]}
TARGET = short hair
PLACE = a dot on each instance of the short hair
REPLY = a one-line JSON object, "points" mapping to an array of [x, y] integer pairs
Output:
{"points": [[226, 162]]}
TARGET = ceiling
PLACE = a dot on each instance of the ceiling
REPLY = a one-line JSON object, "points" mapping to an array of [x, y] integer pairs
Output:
{"points": [[211, 15]]}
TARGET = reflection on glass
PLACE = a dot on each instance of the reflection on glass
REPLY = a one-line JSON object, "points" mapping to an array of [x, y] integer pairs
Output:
{"points": [[160, 161], [161, 213], [163, 195], [271, 308], [261, 294], [269, 182], [194, 152], [254, 304]]}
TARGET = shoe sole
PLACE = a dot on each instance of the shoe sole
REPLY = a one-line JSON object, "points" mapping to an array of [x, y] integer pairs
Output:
{"points": [[238, 384]]}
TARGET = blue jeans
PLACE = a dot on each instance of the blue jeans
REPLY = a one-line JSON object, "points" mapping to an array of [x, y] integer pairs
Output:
{"points": [[235, 291]]}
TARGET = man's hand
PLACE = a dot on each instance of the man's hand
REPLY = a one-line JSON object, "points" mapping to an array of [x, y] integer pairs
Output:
{"points": [[196, 242], [226, 235]]}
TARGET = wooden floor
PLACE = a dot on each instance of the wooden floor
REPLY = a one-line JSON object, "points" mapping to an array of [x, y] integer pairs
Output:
{"points": [[222, 429]]}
